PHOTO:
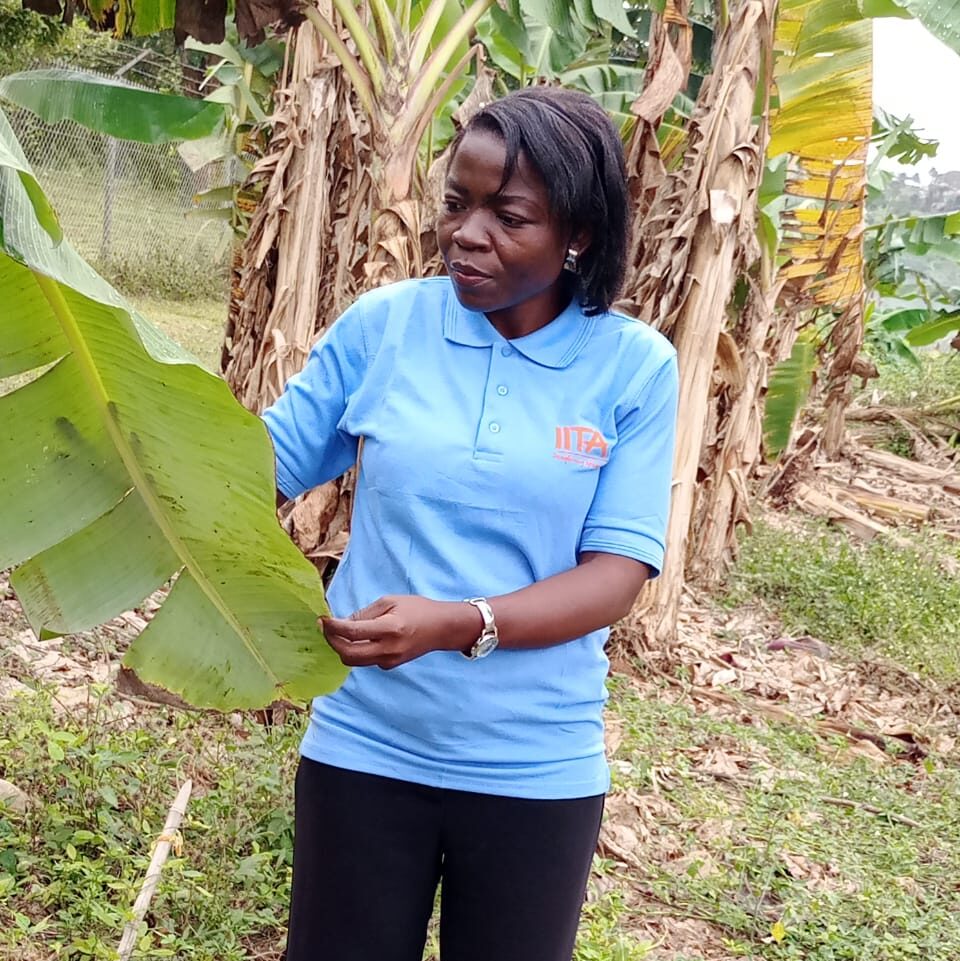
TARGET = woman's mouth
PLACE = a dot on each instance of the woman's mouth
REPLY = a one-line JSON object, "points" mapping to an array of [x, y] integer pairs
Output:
{"points": [[466, 275]]}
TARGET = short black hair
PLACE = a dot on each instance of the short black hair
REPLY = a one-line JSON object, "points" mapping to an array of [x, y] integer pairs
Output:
{"points": [[574, 146]]}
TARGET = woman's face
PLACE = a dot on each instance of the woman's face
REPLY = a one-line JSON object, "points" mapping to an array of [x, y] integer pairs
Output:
{"points": [[502, 248]]}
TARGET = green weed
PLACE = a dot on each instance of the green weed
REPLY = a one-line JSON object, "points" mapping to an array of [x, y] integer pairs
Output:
{"points": [[777, 871], [602, 936], [874, 598], [935, 379], [71, 865], [168, 272]]}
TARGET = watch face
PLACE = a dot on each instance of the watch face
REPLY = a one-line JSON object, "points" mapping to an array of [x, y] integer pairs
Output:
{"points": [[484, 645]]}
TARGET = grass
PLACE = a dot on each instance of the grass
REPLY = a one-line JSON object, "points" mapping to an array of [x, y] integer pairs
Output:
{"points": [[101, 783], [196, 324], [70, 867], [780, 873], [935, 379], [777, 872], [866, 599]]}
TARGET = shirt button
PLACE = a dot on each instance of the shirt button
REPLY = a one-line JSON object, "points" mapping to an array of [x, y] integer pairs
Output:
{"points": [[502, 391], [494, 428], [506, 351]]}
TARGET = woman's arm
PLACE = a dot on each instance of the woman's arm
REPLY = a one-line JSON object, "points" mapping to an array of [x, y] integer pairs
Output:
{"points": [[393, 630]]}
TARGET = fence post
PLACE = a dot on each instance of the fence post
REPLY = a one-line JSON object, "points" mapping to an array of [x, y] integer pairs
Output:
{"points": [[110, 174]]}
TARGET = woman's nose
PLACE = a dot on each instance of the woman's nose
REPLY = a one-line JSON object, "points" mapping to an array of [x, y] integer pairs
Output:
{"points": [[471, 232]]}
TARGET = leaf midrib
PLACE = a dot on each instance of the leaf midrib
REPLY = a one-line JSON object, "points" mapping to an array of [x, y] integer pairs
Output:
{"points": [[58, 304]]}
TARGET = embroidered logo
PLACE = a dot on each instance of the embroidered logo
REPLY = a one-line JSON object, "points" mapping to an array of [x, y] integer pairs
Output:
{"points": [[582, 445]]}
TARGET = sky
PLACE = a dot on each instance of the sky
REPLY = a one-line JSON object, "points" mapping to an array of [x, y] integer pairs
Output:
{"points": [[915, 74]]}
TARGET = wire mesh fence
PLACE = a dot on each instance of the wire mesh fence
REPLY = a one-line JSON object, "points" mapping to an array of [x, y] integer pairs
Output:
{"points": [[128, 207]]}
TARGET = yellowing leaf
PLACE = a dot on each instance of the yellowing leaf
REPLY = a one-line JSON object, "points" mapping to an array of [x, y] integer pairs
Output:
{"points": [[822, 73]]}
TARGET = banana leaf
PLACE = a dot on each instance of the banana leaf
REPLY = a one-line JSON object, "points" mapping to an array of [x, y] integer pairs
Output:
{"points": [[124, 466], [941, 19], [934, 330], [111, 106], [789, 387]]}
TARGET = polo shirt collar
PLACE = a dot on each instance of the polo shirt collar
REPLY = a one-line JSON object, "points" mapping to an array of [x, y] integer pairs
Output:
{"points": [[554, 345]]}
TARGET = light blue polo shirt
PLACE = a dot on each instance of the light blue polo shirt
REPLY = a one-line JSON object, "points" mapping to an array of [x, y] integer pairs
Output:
{"points": [[488, 464]]}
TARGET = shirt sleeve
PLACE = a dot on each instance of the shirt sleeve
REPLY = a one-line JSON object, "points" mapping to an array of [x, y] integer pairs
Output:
{"points": [[630, 509], [306, 422]]}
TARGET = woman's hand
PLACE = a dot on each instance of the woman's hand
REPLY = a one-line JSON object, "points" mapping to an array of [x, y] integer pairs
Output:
{"points": [[399, 628]]}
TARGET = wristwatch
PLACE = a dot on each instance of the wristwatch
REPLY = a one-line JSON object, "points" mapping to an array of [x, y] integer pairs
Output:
{"points": [[489, 638]]}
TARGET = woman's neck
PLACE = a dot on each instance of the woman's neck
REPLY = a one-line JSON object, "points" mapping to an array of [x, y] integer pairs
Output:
{"points": [[535, 312]]}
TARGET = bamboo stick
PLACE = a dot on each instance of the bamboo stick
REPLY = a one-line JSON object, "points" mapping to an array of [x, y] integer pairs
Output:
{"points": [[174, 817]]}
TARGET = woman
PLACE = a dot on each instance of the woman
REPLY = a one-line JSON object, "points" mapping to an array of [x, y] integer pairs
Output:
{"points": [[517, 452]]}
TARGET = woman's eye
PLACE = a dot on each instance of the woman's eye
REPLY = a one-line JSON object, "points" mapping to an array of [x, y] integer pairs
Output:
{"points": [[452, 205], [510, 221]]}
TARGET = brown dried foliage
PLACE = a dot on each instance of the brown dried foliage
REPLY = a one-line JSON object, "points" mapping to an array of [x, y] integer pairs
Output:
{"points": [[696, 238]]}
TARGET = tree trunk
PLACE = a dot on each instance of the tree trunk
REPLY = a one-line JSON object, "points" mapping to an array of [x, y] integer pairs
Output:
{"points": [[698, 237], [667, 71], [733, 449], [300, 263]]}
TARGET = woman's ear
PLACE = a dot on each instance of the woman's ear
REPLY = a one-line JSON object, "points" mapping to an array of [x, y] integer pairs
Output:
{"points": [[580, 241]]}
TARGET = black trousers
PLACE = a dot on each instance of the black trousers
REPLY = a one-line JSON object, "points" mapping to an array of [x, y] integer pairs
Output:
{"points": [[369, 852]]}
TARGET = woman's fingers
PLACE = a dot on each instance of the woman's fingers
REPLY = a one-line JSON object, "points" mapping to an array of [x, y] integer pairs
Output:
{"points": [[372, 629], [364, 653]]}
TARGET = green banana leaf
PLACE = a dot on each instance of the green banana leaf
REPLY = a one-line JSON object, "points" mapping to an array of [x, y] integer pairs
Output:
{"points": [[789, 387], [42, 209], [941, 18], [614, 12], [934, 330], [112, 107], [547, 37], [125, 466]]}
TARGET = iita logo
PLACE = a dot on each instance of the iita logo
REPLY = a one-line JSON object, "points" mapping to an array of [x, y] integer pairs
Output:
{"points": [[582, 445]]}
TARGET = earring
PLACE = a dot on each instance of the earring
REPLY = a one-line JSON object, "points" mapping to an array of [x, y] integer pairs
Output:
{"points": [[571, 260]]}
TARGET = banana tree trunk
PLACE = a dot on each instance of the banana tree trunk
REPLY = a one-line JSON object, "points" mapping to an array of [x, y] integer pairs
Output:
{"points": [[299, 261], [733, 448], [698, 237], [302, 262], [666, 74]]}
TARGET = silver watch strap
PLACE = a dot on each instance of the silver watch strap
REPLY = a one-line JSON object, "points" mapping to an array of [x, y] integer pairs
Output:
{"points": [[489, 636]]}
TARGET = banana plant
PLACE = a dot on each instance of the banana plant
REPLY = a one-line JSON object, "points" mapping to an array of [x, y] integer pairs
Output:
{"points": [[545, 40], [578, 45], [411, 57], [243, 81], [909, 304], [823, 124], [124, 467]]}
